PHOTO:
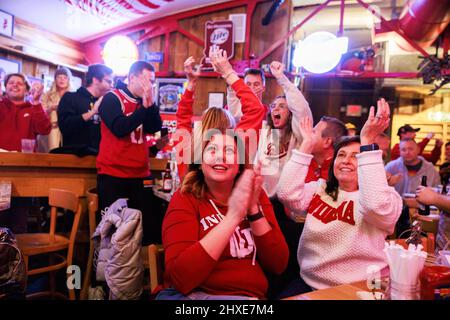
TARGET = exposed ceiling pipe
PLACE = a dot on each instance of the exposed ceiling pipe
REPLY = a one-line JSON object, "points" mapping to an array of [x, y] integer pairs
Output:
{"points": [[423, 21]]}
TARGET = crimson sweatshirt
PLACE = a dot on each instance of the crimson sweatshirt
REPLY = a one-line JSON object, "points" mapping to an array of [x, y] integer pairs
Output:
{"points": [[22, 121], [189, 267]]}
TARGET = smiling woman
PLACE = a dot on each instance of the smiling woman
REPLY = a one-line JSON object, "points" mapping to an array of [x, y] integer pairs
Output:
{"points": [[215, 224], [349, 216]]}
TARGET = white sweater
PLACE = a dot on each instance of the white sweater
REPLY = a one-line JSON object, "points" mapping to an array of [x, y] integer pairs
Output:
{"points": [[340, 239], [273, 163]]}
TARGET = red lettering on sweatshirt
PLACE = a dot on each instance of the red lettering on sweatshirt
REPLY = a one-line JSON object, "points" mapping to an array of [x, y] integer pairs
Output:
{"points": [[326, 213]]}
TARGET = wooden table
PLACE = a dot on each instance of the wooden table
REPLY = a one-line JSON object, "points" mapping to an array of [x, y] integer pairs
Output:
{"points": [[33, 174], [342, 292]]}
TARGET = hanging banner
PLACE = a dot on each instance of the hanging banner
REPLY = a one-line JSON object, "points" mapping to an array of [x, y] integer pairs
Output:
{"points": [[218, 34]]}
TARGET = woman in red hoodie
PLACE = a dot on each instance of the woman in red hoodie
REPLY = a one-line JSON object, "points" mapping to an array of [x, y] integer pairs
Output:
{"points": [[221, 236]]}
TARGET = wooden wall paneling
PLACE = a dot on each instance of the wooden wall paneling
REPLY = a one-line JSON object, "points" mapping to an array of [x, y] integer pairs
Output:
{"points": [[193, 26], [204, 86], [262, 37], [43, 44], [153, 45], [178, 52], [30, 66], [272, 90], [196, 26]]}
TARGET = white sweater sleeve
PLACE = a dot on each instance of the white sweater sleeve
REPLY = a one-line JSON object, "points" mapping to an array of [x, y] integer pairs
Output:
{"points": [[379, 204], [297, 104], [234, 104], [292, 190]]}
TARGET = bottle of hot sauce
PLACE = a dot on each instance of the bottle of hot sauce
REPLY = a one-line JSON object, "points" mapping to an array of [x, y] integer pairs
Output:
{"points": [[167, 179]]}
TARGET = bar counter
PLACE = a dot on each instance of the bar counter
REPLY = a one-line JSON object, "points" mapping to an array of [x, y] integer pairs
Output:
{"points": [[33, 174]]}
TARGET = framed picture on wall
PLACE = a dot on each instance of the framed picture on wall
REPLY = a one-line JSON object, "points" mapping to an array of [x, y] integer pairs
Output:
{"points": [[216, 99], [7, 24], [9, 66], [168, 93]]}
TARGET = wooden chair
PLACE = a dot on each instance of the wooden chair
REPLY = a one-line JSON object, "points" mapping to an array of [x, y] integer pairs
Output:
{"points": [[92, 199], [92, 204], [32, 244], [156, 265]]}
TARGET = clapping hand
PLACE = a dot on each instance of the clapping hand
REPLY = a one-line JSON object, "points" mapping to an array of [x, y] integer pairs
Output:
{"points": [[97, 105], [375, 124], [36, 91], [241, 197], [147, 92], [310, 137]]}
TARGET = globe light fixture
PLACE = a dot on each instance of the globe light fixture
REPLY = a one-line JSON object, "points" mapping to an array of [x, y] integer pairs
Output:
{"points": [[119, 54], [319, 52]]}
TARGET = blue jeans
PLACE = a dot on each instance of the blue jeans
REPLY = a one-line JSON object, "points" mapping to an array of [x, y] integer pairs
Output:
{"points": [[173, 294]]}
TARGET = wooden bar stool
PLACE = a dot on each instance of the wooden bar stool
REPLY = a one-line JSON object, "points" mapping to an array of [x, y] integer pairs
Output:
{"points": [[32, 244], [92, 198], [156, 265]]}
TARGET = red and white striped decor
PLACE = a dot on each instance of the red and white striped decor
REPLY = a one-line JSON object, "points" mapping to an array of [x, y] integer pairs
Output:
{"points": [[108, 9]]}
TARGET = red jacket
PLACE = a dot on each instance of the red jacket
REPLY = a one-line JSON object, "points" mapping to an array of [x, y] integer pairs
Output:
{"points": [[188, 265], [433, 157], [23, 121], [253, 113]]}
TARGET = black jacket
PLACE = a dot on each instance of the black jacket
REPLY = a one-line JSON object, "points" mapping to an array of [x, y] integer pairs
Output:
{"points": [[76, 131]]}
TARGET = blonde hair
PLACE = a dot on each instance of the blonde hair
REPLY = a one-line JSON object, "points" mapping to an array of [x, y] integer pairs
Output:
{"points": [[52, 95], [217, 118]]}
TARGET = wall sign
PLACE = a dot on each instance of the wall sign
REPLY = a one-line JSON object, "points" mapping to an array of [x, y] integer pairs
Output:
{"points": [[354, 110], [154, 57], [218, 34]]}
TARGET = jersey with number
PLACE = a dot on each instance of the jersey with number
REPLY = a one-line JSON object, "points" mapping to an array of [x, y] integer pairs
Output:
{"points": [[124, 157]]}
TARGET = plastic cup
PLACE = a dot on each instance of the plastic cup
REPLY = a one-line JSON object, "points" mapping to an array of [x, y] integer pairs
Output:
{"points": [[28, 145]]}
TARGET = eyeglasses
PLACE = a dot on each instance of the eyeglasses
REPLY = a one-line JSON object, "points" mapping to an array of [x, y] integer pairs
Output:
{"points": [[279, 105]]}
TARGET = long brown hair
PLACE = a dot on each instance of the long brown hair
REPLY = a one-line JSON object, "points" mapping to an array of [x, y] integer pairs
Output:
{"points": [[194, 180], [288, 132], [332, 187]]}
